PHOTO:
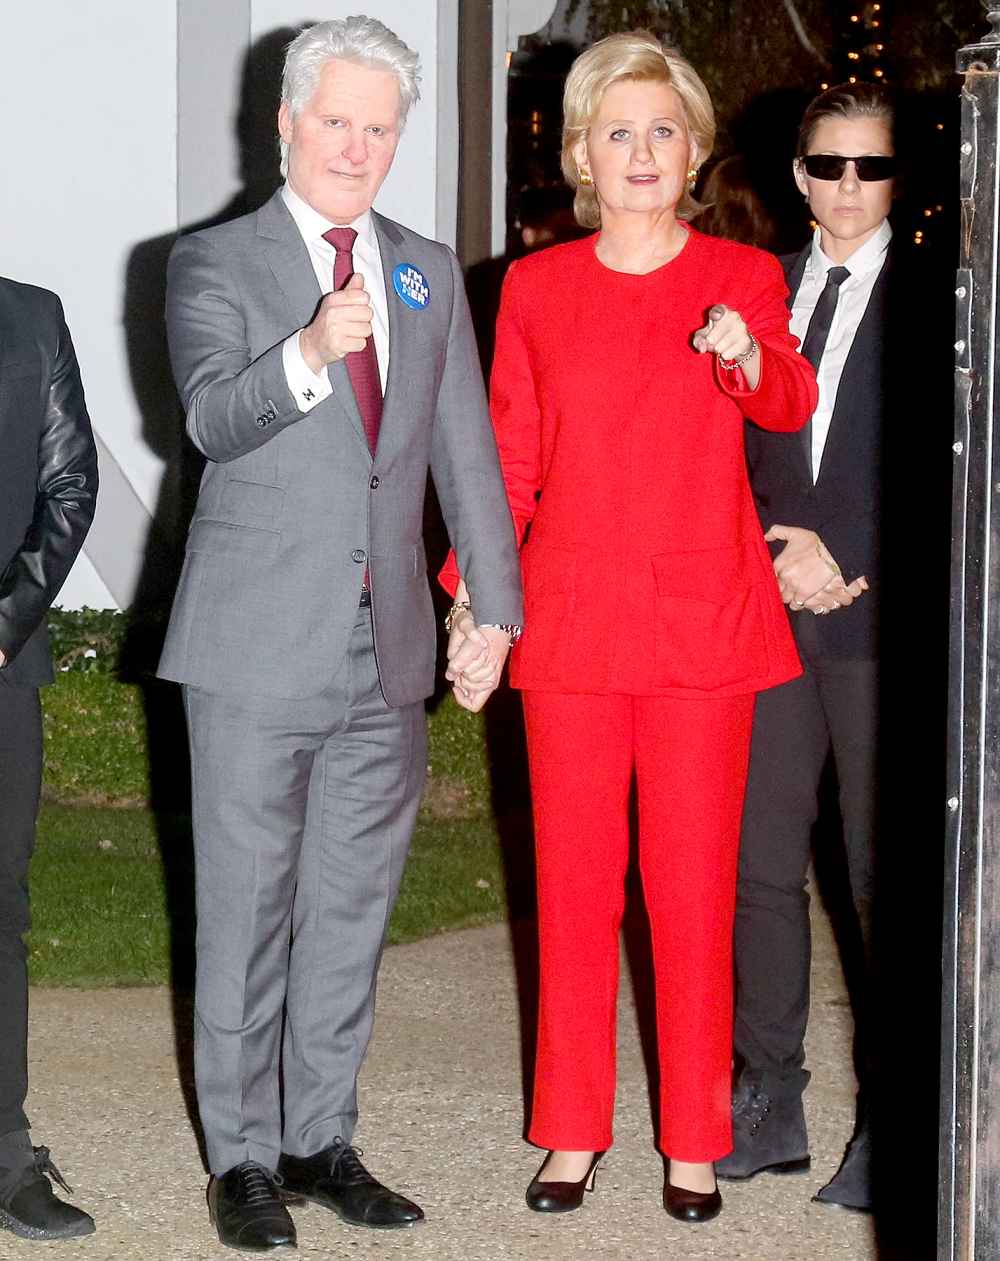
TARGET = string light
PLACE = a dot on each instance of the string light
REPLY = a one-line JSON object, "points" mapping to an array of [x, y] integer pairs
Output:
{"points": [[866, 47], [862, 55]]}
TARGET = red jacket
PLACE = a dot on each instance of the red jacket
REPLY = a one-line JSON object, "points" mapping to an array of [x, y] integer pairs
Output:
{"points": [[645, 570]]}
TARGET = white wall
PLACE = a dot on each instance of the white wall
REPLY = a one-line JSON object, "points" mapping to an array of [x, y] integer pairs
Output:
{"points": [[89, 171]]}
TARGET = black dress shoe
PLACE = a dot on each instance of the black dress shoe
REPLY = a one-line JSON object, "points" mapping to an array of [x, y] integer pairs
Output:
{"points": [[560, 1197], [769, 1134], [32, 1210], [691, 1206], [246, 1207], [851, 1186], [336, 1178]]}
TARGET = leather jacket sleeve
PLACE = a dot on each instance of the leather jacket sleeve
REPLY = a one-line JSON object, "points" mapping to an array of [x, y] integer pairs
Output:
{"points": [[65, 498]]}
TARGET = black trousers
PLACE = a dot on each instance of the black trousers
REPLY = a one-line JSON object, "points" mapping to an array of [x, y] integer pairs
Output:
{"points": [[20, 788], [834, 705]]}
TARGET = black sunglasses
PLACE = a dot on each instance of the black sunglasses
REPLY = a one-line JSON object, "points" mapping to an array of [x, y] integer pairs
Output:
{"points": [[831, 166]]}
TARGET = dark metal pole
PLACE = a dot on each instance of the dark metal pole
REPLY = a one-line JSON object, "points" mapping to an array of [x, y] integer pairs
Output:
{"points": [[475, 76], [969, 1218]]}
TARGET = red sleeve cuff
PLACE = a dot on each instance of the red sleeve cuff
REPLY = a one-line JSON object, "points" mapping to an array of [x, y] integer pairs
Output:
{"points": [[449, 577]]}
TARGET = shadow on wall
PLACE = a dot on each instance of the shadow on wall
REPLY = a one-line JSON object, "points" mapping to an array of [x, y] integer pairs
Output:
{"points": [[163, 430], [146, 342]]}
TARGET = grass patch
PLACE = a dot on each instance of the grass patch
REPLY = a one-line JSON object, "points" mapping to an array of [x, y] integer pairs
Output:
{"points": [[110, 906], [95, 740], [97, 752], [98, 899], [112, 880]]}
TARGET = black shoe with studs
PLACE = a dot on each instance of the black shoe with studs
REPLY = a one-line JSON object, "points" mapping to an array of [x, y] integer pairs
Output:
{"points": [[769, 1134], [32, 1210]]}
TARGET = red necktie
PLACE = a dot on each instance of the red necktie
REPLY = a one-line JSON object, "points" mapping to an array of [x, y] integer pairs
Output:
{"points": [[362, 365]]}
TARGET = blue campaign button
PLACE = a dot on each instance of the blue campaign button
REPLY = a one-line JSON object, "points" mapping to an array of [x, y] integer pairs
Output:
{"points": [[412, 286]]}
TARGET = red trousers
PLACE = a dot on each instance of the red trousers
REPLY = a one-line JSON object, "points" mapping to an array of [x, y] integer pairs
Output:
{"points": [[690, 760]]}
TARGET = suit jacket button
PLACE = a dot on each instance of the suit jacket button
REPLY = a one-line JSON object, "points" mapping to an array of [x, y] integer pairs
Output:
{"points": [[262, 422], [375, 483], [358, 556]]}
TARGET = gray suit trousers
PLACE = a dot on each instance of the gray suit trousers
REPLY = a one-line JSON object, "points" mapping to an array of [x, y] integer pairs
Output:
{"points": [[303, 811]]}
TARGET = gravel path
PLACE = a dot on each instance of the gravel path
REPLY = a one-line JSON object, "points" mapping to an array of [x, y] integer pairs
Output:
{"points": [[442, 1117]]}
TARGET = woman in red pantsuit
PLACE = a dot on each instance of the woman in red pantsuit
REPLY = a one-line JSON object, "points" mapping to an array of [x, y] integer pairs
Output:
{"points": [[625, 363]]}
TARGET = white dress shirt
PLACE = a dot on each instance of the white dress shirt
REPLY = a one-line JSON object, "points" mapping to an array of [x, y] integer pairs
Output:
{"points": [[309, 388], [855, 293]]}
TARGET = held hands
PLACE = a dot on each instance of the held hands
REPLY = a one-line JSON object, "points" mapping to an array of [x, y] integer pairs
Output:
{"points": [[808, 576], [475, 661], [342, 324]]}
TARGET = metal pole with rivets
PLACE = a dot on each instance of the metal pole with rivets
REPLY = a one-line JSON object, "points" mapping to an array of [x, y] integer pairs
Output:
{"points": [[969, 1215]]}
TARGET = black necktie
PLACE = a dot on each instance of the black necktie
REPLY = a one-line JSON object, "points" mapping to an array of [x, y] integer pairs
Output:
{"points": [[814, 342]]}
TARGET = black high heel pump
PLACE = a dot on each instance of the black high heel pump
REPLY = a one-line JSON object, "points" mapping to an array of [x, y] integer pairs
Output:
{"points": [[560, 1197], [690, 1206]]}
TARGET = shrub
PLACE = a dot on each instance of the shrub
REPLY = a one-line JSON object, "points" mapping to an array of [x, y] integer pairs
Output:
{"points": [[89, 640]]}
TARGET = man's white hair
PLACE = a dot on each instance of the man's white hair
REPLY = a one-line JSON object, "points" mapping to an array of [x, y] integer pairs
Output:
{"points": [[363, 40]]}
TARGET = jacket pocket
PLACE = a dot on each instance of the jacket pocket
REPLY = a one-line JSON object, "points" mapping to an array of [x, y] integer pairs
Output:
{"points": [[251, 503], [709, 618], [549, 576], [224, 538]]}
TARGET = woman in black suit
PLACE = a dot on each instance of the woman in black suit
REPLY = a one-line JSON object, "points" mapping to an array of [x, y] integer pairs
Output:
{"points": [[822, 496]]}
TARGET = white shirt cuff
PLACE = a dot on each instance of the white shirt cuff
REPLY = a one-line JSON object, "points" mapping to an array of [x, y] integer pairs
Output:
{"points": [[306, 386]]}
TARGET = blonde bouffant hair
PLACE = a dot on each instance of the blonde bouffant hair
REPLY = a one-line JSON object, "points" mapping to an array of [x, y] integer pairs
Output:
{"points": [[638, 56]]}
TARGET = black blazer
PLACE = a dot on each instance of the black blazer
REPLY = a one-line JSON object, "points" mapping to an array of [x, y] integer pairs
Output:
{"points": [[882, 501], [48, 474]]}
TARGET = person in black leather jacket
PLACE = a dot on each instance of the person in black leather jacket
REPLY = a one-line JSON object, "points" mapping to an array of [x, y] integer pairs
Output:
{"points": [[48, 490]]}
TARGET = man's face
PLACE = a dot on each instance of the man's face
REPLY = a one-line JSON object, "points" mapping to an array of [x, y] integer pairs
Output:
{"points": [[342, 142]]}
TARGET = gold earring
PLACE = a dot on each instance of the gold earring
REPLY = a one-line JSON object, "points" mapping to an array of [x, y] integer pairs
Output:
{"points": [[692, 176], [585, 178]]}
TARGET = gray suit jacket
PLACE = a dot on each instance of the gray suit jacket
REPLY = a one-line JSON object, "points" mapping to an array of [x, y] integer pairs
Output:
{"points": [[292, 506]]}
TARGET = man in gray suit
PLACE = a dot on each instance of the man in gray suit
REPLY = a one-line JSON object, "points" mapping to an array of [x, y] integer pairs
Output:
{"points": [[303, 627]]}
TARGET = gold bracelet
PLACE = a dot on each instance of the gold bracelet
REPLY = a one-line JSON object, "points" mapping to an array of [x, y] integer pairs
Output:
{"points": [[740, 360], [460, 606]]}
